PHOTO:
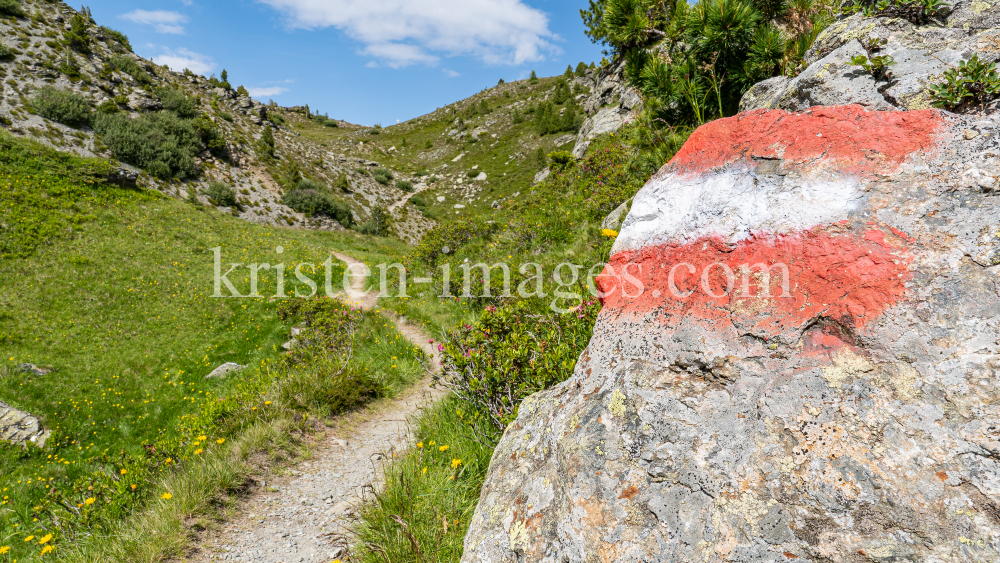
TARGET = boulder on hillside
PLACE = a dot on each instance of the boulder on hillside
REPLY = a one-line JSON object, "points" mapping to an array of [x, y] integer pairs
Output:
{"points": [[807, 370], [921, 53], [19, 427]]}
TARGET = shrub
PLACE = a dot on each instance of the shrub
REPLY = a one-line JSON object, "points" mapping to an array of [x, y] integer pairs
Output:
{"points": [[266, 143], [382, 176], [916, 11], [108, 106], [343, 184], [118, 36], [307, 184], [330, 123], [5, 53], [221, 194], [11, 8], [404, 185], [581, 69], [560, 159], [241, 91], [512, 352], [315, 203], [76, 36], [428, 144], [177, 102], [972, 83], [379, 224], [63, 106], [161, 143], [129, 66], [533, 79]]}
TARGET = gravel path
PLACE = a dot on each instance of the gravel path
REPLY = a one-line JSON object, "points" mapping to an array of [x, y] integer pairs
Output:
{"points": [[304, 516]]}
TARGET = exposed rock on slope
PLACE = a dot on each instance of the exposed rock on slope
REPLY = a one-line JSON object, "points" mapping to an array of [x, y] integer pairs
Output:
{"points": [[922, 54], [845, 411], [19, 427], [611, 104]]}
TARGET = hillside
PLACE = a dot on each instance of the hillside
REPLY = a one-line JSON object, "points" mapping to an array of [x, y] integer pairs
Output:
{"points": [[69, 82]]}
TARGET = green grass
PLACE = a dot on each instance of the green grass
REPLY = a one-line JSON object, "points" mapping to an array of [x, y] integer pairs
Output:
{"points": [[430, 495], [112, 289]]}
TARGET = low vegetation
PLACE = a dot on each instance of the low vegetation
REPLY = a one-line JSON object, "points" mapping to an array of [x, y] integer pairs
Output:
{"points": [[141, 440], [64, 106]]}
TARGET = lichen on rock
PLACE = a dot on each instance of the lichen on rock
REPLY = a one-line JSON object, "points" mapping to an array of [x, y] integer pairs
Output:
{"points": [[834, 400]]}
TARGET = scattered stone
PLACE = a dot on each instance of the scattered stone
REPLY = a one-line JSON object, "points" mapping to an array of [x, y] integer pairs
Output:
{"points": [[19, 427], [32, 369], [541, 175], [225, 369]]}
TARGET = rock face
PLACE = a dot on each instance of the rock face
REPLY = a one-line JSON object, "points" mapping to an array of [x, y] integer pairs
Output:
{"points": [[842, 408], [612, 104], [922, 54]]}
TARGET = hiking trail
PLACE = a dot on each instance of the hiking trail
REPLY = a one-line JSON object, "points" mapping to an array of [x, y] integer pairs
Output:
{"points": [[305, 516]]}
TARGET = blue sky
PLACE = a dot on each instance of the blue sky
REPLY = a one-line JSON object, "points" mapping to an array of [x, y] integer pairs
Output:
{"points": [[366, 61]]}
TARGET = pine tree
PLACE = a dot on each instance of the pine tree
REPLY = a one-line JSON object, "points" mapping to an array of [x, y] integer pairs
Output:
{"points": [[569, 72], [533, 78], [581, 69]]}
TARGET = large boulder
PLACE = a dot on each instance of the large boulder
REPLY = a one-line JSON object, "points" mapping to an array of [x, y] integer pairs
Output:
{"points": [[842, 406], [922, 53]]}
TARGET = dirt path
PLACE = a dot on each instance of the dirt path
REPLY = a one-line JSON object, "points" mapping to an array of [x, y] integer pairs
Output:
{"points": [[406, 198], [304, 516]]}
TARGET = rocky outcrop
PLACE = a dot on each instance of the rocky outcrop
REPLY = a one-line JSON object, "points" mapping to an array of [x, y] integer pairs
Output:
{"points": [[922, 53], [805, 370], [611, 104]]}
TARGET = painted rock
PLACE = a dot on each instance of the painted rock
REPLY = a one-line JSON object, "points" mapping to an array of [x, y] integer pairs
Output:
{"points": [[797, 358]]}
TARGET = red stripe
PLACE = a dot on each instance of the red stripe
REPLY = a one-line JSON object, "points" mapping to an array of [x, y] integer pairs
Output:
{"points": [[850, 138], [848, 276]]}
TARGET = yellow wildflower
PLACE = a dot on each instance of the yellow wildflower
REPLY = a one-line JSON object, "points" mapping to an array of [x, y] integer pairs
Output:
{"points": [[167, 496], [47, 549], [220, 441], [610, 233], [46, 539], [455, 463], [443, 448], [29, 538], [4, 549], [89, 501], [198, 451]]}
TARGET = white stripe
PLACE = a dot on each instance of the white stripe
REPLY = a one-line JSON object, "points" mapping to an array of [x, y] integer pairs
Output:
{"points": [[733, 204]]}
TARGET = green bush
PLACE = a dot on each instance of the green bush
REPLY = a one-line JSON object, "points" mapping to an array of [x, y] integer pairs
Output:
{"points": [[560, 159], [5, 53], [63, 106], [533, 79], [221, 194], [266, 143], [177, 102], [161, 143], [76, 36], [118, 36], [330, 123], [241, 91], [512, 352], [11, 8], [315, 203], [379, 224], [972, 83], [581, 69], [916, 11], [382, 176], [404, 185], [129, 66], [307, 184]]}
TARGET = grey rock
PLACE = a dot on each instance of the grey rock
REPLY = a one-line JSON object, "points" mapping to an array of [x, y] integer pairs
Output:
{"points": [[607, 120], [147, 104], [614, 219], [32, 369], [829, 82], [748, 428], [481, 177], [542, 174], [124, 177], [223, 370], [19, 427], [562, 140], [921, 53]]}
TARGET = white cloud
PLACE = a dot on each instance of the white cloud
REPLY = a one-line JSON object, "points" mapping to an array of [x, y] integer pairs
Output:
{"points": [[161, 20], [267, 91], [182, 58], [405, 32], [450, 73]]}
